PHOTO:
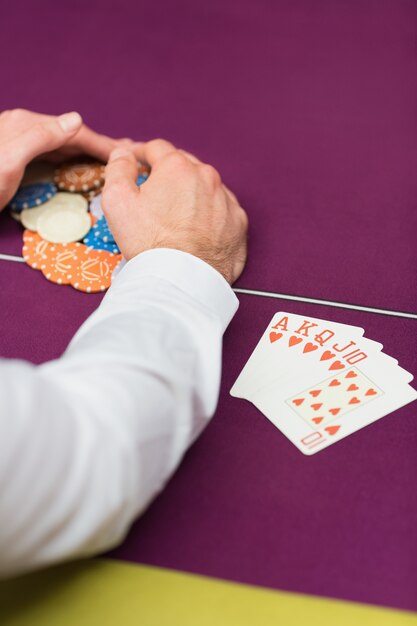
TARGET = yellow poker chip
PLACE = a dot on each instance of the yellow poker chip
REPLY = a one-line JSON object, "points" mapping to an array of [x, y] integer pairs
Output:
{"points": [[30, 217], [80, 176], [64, 225]]}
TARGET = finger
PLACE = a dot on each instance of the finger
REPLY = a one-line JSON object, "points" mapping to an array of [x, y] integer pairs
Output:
{"points": [[153, 151], [44, 136], [138, 149], [94, 144], [121, 174]]}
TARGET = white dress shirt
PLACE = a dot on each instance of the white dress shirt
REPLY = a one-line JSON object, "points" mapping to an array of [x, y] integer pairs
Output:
{"points": [[88, 440]]}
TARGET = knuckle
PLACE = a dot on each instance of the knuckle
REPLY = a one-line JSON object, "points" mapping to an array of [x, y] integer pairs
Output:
{"points": [[211, 174], [16, 113], [158, 143], [232, 196], [177, 160], [244, 218]]}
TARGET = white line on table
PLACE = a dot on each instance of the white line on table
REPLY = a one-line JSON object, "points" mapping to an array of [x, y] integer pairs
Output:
{"points": [[10, 257], [284, 296], [340, 305]]}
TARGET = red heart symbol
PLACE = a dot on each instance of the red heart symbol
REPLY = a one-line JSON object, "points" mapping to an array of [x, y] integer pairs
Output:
{"points": [[294, 340], [327, 355], [317, 420], [309, 347], [316, 406], [371, 392], [354, 400], [334, 383], [336, 365], [334, 411], [315, 392], [298, 401], [351, 374], [352, 387], [332, 430], [274, 336]]}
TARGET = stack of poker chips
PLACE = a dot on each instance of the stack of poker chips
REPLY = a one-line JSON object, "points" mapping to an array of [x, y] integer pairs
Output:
{"points": [[67, 237]]}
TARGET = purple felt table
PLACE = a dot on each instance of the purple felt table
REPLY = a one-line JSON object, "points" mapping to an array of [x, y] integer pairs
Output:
{"points": [[308, 109]]}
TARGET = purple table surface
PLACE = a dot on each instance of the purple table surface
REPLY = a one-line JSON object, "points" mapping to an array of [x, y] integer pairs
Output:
{"points": [[309, 112], [307, 109]]}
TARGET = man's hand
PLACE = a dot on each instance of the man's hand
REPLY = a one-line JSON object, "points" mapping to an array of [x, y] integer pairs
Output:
{"points": [[25, 136], [182, 205]]}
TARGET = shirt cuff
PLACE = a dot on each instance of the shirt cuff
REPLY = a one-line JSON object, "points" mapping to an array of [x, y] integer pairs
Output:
{"points": [[188, 273]]}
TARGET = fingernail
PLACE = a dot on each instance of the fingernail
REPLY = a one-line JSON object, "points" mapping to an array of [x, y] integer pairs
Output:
{"points": [[70, 121], [119, 153]]}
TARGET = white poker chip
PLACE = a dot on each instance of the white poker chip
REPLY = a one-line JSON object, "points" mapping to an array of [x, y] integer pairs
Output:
{"points": [[95, 207], [30, 217], [64, 225]]}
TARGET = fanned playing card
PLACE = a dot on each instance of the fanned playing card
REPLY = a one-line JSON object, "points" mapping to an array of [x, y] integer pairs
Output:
{"points": [[323, 382], [289, 341]]}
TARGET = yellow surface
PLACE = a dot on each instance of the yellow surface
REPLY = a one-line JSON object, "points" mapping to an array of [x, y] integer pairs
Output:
{"points": [[111, 593]]}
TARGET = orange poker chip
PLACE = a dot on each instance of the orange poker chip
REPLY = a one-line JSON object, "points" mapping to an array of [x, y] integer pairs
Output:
{"points": [[73, 264], [56, 261], [80, 176], [61, 264], [36, 250], [93, 273]]}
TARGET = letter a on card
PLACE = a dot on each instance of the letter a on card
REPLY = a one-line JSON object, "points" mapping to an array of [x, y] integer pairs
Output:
{"points": [[282, 324]]}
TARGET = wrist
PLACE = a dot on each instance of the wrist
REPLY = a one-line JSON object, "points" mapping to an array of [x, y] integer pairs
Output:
{"points": [[189, 273]]}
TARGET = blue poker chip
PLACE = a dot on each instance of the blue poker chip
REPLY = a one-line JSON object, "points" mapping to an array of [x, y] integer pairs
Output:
{"points": [[32, 196], [141, 179], [102, 231], [96, 243]]}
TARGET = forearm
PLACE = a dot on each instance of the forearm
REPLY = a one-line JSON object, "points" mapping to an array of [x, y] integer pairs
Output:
{"points": [[91, 438]]}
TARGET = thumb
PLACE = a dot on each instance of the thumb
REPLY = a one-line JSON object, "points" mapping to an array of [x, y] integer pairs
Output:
{"points": [[45, 136]]}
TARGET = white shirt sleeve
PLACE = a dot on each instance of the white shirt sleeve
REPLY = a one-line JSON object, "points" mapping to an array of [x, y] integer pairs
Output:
{"points": [[88, 440]]}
